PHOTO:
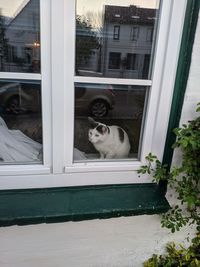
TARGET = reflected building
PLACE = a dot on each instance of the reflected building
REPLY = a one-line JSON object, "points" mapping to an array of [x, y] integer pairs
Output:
{"points": [[22, 39], [127, 42]]}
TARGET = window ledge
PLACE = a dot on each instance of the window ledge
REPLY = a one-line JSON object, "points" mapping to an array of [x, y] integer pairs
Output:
{"points": [[50, 205]]}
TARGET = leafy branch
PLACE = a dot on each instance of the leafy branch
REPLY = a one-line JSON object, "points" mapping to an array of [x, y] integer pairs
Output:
{"points": [[185, 179]]}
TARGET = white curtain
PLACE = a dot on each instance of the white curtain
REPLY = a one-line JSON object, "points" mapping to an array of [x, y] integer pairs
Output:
{"points": [[16, 146]]}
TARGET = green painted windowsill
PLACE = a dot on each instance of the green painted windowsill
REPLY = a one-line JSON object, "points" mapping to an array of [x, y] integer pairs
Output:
{"points": [[79, 203]]}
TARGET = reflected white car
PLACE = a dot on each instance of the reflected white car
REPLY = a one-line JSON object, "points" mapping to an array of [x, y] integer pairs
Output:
{"points": [[93, 99]]}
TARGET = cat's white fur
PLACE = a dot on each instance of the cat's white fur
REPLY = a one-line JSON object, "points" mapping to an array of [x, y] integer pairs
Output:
{"points": [[107, 142]]}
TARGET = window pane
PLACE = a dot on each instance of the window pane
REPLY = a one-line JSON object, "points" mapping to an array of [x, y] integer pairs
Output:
{"points": [[114, 60], [119, 105], [111, 30], [19, 36], [20, 122], [116, 32]]}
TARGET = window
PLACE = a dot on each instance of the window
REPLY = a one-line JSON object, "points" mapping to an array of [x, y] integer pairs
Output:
{"points": [[149, 35], [70, 85], [116, 110], [27, 23], [21, 126], [114, 60], [116, 32], [21, 85], [134, 33], [131, 63]]}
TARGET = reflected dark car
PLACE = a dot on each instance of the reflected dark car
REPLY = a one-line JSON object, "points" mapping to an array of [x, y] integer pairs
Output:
{"points": [[18, 98], [90, 99], [94, 99]]}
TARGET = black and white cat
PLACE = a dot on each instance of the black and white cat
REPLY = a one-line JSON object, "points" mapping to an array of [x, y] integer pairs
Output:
{"points": [[109, 141]]}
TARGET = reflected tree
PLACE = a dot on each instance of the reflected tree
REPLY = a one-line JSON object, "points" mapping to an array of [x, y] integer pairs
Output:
{"points": [[3, 41], [86, 41]]}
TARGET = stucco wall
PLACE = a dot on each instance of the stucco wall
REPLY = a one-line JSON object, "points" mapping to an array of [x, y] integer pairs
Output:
{"points": [[192, 95], [119, 242], [115, 242]]}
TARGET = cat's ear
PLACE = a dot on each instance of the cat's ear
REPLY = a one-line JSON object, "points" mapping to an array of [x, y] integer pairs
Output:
{"points": [[104, 129], [92, 122]]}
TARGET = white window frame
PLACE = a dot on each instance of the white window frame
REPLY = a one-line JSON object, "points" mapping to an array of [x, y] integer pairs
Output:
{"points": [[57, 76], [43, 77]]}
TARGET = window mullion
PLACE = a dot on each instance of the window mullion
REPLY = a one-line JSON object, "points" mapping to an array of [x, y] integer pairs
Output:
{"points": [[69, 61], [57, 72], [20, 76], [82, 79], [45, 80]]}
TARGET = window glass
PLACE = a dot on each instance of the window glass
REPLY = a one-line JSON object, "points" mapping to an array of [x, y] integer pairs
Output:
{"points": [[19, 36], [149, 34], [108, 121], [116, 32], [100, 23], [132, 61], [20, 122], [114, 60], [134, 33]]}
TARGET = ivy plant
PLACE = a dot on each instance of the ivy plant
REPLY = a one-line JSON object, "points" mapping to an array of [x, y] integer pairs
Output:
{"points": [[177, 256], [185, 179]]}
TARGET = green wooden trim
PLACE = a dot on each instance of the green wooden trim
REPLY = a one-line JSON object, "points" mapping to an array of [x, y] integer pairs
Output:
{"points": [[49, 205], [189, 29], [185, 54]]}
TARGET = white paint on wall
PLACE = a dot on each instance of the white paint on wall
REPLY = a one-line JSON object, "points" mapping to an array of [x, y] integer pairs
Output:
{"points": [[192, 95]]}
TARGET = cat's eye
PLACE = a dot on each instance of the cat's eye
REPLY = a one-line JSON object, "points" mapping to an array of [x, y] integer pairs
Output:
{"points": [[97, 135]]}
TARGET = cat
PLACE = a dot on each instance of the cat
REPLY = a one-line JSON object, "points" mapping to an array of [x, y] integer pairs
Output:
{"points": [[110, 141]]}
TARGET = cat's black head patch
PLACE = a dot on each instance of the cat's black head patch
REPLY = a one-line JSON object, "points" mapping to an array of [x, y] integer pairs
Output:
{"points": [[121, 134], [101, 129]]}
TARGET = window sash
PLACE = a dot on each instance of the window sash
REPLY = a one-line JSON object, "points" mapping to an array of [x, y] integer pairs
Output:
{"points": [[58, 128], [45, 95], [148, 143]]}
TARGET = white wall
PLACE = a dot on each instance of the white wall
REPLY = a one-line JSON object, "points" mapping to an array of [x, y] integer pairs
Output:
{"points": [[119, 242], [192, 95]]}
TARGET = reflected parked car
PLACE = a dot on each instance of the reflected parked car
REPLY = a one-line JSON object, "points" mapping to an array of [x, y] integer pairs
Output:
{"points": [[90, 99], [19, 98], [94, 99]]}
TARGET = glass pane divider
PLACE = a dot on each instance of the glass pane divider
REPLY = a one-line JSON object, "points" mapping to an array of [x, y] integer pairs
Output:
{"points": [[103, 166], [112, 81], [45, 29], [29, 169], [20, 76]]}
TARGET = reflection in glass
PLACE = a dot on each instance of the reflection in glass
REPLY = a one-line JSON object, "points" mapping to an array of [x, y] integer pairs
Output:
{"points": [[19, 36], [119, 105], [108, 33], [20, 122]]}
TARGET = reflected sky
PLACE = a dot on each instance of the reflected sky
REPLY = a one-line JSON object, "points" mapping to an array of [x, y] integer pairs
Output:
{"points": [[10, 7], [83, 6]]}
